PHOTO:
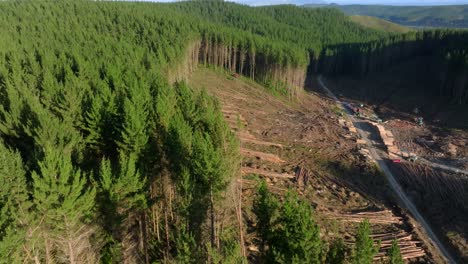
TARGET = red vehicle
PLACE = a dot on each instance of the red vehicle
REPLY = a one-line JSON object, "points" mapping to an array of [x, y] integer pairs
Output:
{"points": [[396, 161], [352, 107]]}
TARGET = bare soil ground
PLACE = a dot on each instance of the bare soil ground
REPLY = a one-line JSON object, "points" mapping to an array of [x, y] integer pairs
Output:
{"points": [[394, 95], [441, 196], [304, 145]]}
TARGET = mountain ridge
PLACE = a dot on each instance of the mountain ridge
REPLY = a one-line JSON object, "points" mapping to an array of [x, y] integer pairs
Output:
{"points": [[446, 16]]}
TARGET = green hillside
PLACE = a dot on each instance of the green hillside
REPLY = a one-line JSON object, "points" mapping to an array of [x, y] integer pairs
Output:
{"points": [[379, 24], [309, 28], [108, 156], [455, 16]]}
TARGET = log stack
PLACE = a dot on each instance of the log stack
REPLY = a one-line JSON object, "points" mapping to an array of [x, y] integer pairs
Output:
{"points": [[409, 247], [379, 217], [389, 141]]}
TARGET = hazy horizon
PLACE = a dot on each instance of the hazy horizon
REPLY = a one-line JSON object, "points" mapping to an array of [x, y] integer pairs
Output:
{"points": [[341, 2], [362, 2]]}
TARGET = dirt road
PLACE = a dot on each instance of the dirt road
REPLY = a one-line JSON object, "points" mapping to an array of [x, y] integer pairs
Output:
{"points": [[443, 167], [406, 202]]}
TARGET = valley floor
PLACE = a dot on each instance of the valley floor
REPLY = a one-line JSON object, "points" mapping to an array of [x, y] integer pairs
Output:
{"points": [[305, 145]]}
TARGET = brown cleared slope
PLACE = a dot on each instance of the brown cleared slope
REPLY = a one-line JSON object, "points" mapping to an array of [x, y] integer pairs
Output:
{"points": [[322, 161], [379, 24]]}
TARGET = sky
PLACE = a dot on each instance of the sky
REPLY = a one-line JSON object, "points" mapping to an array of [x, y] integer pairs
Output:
{"points": [[345, 2], [364, 2]]}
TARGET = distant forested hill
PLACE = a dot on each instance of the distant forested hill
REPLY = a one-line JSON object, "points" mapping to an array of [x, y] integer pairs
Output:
{"points": [[455, 16]]}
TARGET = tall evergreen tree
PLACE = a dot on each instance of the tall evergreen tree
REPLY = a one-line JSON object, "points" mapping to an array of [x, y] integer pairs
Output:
{"points": [[123, 197], [266, 208], [14, 206], [287, 230], [364, 248], [337, 252], [67, 206], [394, 254], [295, 237]]}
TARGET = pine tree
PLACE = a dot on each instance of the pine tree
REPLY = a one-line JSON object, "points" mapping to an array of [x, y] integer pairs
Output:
{"points": [[394, 254], [14, 206], [94, 123], [123, 185], [295, 236], [185, 241], [62, 197], [185, 246], [266, 208], [63, 201], [135, 134], [364, 248], [230, 253], [123, 198], [337, 252], [207, 167]]}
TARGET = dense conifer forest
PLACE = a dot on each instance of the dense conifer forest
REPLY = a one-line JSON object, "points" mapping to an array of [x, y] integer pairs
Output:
{"points": [[446, 48], [106, 155]]}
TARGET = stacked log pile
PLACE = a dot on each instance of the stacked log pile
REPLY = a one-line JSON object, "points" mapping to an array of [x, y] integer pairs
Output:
{"points": [[342, 122], [409, 247], [389, 142], [387, 136], [348, 125], [351, 127], [354, 134], [379, 217]]}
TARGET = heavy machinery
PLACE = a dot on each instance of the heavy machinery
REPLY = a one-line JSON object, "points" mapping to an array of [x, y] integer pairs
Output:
{"points": [[357, 112], [420, 121], [354, 109], [412, 158]]}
